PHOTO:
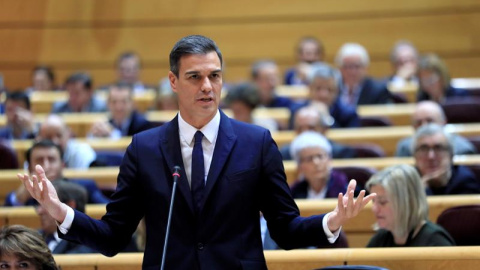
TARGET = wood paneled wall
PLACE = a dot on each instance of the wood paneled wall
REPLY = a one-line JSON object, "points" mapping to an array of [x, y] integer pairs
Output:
{"points": [[88, 35]]}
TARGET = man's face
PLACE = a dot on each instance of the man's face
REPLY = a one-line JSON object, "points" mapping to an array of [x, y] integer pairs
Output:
{"points": [[431, 154], [11, 108], [120, 104], [55, 132], [353, 71], [198, 86], [41, 82], [129, 70], [307, 122], [405, 56], [267, 81], [78, 95], [323, 90], [425, 115], [315, 166], [241, 111], [49, 158], [309, 52]]}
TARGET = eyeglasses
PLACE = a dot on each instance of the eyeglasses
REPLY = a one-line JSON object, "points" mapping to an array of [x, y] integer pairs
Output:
{"points": [[437, 149], [311, 158]]}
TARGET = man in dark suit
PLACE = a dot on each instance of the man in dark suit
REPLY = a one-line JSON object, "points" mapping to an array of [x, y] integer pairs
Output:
{"points": [[124, 120], [230, 172], [356, 88], [20, 120]]}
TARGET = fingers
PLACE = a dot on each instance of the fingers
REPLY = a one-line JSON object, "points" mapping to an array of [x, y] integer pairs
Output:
{"points": [[351, 186], [340, 206], [367, 199], [359, 202], [40, 172]]}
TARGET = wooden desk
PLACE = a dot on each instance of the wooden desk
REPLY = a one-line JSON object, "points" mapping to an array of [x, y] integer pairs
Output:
{"points": [[399, 114], [42, 102], [418, 258]]}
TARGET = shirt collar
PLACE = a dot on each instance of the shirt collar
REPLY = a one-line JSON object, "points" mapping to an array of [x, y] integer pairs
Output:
{"points": [[210, 130]]}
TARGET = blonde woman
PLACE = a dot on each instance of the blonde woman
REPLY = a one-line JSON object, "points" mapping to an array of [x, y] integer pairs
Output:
{"points": [[401, 210]]}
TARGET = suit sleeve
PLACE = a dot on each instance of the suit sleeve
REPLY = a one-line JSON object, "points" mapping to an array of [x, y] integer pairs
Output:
{"points": [[286, 227], [113, 232]]}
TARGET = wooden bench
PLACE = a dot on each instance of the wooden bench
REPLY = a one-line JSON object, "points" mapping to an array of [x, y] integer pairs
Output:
{"points": [[418, 258]]}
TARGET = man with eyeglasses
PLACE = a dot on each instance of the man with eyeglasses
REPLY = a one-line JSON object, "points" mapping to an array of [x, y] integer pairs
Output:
{"points": [[433, 153], [430, 112]]}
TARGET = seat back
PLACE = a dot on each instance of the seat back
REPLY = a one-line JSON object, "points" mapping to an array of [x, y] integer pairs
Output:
{"points": [[352, 267], [368, 150], [360, 174], [8, 157], [463, 223], [462, 110], [375, 121]]}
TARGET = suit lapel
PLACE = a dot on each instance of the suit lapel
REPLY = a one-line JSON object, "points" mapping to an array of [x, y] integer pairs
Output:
{"points": [[171, 150], [223, 147]]}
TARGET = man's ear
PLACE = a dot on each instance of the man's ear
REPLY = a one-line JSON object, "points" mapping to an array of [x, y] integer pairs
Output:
{"points": [[172, 78]]}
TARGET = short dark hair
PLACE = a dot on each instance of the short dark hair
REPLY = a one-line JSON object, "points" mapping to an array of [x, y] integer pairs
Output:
{"points": [[19, 96], [43, 144], [126, 55], [81, 77], [68, 191], [246, 93], [194, 44], [48, 70]]}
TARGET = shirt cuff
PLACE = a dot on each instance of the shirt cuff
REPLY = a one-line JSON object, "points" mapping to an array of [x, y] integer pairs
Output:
{"points": [[331, 236], [67, 223]]}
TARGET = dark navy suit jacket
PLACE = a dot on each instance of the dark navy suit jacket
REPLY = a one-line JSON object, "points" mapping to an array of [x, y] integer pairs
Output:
{"points": [[246, 176], [373, 92], [138, 123], [462, 181]]}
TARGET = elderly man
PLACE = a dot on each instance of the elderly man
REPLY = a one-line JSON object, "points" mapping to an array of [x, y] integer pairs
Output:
{"points": [[433, 154], [404, 60], [323, 89], [316, 118], [75, 154], [20, 122], [80, 96], [356, 88], [124, 120], [430, 112]]}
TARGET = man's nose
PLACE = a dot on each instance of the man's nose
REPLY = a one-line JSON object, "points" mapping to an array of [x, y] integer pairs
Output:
{"points": [[206, 85]]}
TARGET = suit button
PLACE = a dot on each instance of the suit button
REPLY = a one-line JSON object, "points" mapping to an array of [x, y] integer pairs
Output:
{"points": [[200, 246]]}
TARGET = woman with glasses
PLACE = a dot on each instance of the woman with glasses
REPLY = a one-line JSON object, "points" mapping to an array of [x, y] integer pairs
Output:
{"points": [[401, 210], [435, 80]]}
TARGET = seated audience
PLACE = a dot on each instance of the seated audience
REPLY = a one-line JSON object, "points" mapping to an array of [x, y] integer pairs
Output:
{"points": [[265, 75], [20, 120], [48, 155], [316, 118], [356, 87], [166, 98], [401, 210], [75, 154], [309, 51], [242, 99], [433, 153], [323, 89], [80, 96], [123, 120], [74, 196], [430, 112], [43, 79], [129, 66], [24, 248], [435, 80], [313, 152], [404, 60]]}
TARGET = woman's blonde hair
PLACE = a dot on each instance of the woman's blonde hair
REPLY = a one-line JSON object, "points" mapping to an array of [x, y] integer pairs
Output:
{"points": [[405, 191]]}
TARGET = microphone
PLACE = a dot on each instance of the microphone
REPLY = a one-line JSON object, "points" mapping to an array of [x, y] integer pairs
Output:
{"points": [[176, 175]]}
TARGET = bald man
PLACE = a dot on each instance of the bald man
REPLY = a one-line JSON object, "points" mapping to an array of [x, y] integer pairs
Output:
{"points": [[75, 154], [430, 112]]}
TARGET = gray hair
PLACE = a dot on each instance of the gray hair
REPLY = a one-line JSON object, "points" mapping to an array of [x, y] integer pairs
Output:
{"points": [[399, 45], [309, 139], [261, 64], [430, 130], [406, 193], [323, 71], [352, 49]]}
